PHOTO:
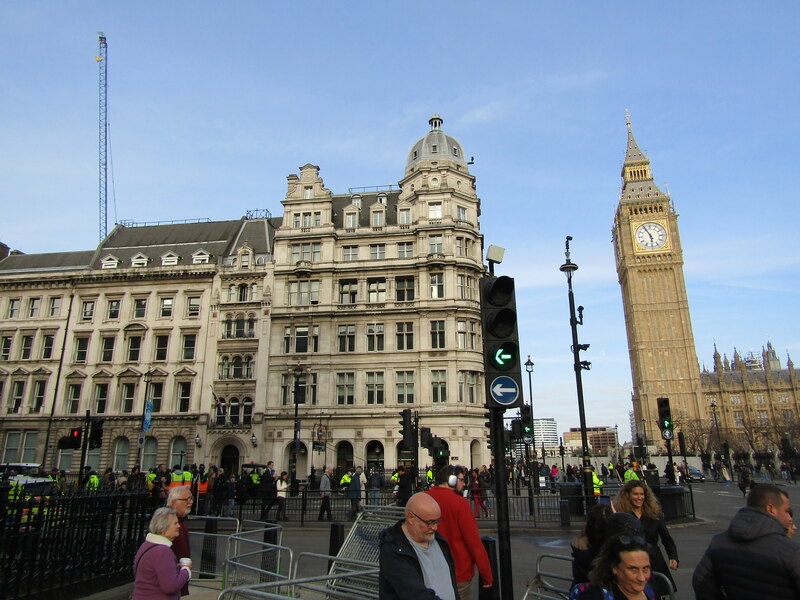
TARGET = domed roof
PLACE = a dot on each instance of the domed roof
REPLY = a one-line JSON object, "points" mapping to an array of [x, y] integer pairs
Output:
{"points": [[436, 145]]}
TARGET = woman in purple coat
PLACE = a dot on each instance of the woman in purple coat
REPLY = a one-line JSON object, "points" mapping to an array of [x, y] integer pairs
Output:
{"points": [[158, 576]]}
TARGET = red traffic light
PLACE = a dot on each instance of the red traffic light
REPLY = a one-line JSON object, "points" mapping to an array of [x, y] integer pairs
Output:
{"points": [[75, 433]]}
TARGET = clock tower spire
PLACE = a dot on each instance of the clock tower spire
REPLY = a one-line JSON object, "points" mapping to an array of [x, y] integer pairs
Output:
{"points": [[649, 260]]}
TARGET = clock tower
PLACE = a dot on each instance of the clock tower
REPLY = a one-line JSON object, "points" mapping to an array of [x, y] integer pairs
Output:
{"points": [[649, 262]]}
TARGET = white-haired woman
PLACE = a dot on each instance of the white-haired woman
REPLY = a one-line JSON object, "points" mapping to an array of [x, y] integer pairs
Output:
{"points": [[157, 574]]}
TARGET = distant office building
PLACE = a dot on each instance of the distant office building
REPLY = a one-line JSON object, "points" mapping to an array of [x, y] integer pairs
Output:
{"points": [[599, 438], [545, 432]]}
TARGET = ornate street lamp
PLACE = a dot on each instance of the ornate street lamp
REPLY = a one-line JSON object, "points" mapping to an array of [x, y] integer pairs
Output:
{"points": [[299, 375], [535, 466]]}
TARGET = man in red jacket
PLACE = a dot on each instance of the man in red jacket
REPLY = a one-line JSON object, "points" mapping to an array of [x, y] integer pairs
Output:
{"points": [[459, 527]]}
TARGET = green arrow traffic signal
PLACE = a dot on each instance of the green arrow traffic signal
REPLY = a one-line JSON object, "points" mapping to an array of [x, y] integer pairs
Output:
{"points": [[505, 356]]}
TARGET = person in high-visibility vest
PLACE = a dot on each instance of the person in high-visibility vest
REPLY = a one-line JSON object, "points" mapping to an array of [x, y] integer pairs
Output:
{"points": [[596, 483], [176, 479], [150, 480], [345, 480], [630, 473], [93, 483]]}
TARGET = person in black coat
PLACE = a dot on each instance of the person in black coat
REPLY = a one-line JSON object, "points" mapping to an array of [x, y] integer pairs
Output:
{"points": [[586, 544], [636, 498]]}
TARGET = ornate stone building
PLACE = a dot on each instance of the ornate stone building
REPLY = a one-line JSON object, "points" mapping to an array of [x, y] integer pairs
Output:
{"points": [[357, 305]]}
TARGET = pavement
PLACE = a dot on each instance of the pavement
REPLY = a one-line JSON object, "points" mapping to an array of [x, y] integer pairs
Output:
{"points": [[715, 505]]}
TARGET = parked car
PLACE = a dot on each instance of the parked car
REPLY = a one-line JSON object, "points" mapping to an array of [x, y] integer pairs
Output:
{"points": [[695, 474]]}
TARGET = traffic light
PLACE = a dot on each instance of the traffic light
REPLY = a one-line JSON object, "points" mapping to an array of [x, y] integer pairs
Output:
{"points": [[408, 429], [665, 418], [96, 434], [500, 342], [425, 438], [516, 429], [74, 439], [561, 450], [439, 450], [488, 424], [525, 417], [506, 441]]}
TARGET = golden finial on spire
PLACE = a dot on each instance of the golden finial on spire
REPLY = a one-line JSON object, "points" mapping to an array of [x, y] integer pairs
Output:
{"points": [[628, 118]]}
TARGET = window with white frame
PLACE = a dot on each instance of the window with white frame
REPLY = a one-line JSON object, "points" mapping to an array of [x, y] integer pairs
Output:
{"points": [[13, 308], [140, 260], [200, 258], [435, 244], [189, 343], [81, 349], [107, 349], [54, 309], [310, 252], [156, 395], [376, 290], [193, 306], [374, 387], [302, 293], [404, 216], [468, 387], [73, 398], [375, 337], [736, 400], [461, 213], [349, 253], [434, 210], [37, 401], [127, 397], [404, 339], [134, 348], [351, 220], [404, 288], [5, 347], [161, 347], [467, 334], [437, 335], [345, 388], [436, 285], [33, 307], [439, 386], [377, 251], [378, 218], [112, 309], [139, 308], [166, 307], [100, 397], [169, 260], [15, 399], [87, 310], [184, 396], [109, 262], [26, 347], [405, 250], [348, 291], [404, 387]]}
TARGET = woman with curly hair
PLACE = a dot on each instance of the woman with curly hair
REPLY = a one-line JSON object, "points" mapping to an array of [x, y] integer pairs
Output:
{"points": [[621, 571], [637, 499]]}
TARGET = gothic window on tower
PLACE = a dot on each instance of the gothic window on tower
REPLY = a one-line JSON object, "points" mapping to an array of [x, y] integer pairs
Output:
{"points": [[736, 400], [759, 399], [738, 418]]}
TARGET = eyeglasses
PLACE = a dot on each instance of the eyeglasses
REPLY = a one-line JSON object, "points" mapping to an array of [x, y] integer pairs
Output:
{"points": [[461, 479], [428, 522], [189, 499], [625, 540]]}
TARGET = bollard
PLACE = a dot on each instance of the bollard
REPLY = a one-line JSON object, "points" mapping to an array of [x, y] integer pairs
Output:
{"points": [[208, 556], [563, 509], [303, 505], [492, 593], [336, 540], [269, 560]]}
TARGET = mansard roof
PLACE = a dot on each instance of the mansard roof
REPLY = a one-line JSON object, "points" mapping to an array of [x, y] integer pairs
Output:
{"points": [[50, 261]]}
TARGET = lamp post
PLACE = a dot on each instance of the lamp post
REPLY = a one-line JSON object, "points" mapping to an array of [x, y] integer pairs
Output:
{"points": [[148, 377], [298, 372], [568, 268], [535, 467]]}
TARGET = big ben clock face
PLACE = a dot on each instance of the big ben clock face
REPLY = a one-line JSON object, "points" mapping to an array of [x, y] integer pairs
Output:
{"points": [[651, 236]]}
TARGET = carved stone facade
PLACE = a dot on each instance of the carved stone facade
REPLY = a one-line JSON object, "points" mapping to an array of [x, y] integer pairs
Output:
{"points": [[359, 305]]}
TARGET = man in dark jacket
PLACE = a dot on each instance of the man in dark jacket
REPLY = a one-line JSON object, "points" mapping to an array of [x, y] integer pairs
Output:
{"points": [[415, 561], [753, 559]]}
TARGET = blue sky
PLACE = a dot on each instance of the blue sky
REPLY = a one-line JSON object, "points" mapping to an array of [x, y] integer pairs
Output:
{"points": [[211, 105]]}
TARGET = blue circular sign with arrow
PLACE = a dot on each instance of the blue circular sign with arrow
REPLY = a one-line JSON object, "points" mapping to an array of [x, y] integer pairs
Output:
{"points": [[504, 390]]}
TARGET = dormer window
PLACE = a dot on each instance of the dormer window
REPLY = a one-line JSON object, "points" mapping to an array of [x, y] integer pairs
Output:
{"points": [[382, 199], [351, 220], [308, 192], [200, 258], [434, 148], [378, 218], [109, 262], [455, 151], [356, 200], [140, 260], [169, 260]]}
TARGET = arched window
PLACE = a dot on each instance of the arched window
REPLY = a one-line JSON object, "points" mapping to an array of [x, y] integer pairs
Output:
{"points": [[243, 292], [247, 411], [177, 453], [234, 411], [150, 454], [232, 293], [240, 327], [247, 370], [237, 367], [121, 449], [224, 368], [221, 411]]}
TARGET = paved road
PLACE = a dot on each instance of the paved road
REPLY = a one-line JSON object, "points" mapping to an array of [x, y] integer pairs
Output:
{"points": [[715, 505]]}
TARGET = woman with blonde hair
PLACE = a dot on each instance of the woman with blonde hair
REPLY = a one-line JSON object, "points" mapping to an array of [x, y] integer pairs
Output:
{"points": [[637, 498]]}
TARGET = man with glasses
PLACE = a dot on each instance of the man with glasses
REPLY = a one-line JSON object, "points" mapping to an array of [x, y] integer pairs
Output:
{"points": [[181, 499], [415, 561], [460, 529]]}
